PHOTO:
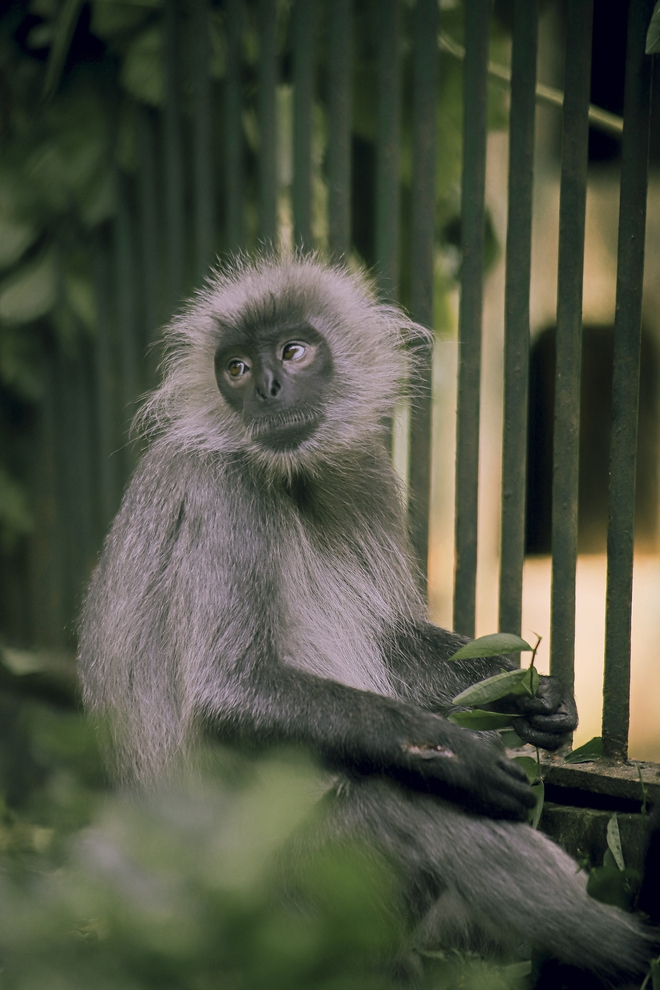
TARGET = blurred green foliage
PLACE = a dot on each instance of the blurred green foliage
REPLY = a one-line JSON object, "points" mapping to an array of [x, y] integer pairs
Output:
{"points": [[184, 889]]}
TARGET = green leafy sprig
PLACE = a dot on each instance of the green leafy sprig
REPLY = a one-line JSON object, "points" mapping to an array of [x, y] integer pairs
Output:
{"points": [[508, 683]]}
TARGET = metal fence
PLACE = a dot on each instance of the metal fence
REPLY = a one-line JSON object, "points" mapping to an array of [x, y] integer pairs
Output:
{"points": [[173, 214]]}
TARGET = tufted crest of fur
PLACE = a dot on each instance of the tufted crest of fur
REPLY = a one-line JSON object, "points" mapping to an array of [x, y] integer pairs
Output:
{"points": [[366, 339]]}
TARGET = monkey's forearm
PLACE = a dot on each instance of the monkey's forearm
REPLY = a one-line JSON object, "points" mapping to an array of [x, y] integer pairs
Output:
{"points": [[419, 659], [426, 675], [369, 733]]}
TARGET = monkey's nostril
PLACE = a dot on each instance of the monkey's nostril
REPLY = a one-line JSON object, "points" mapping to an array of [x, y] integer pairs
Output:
{"points": [[274, 388]]}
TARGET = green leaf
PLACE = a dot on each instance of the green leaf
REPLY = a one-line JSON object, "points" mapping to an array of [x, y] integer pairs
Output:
{"points": [[653, 46], [66, 25], [74, 152], [517, 970], [15, 516], [614, 841], [530, 683], [31, 293], [478, 719], [491, 646], [609, 860], [587, 753], [20, 368], [492, 688], [655, 974], [529, 765], [510, 738], [610, 885], [40, 36], [539, 791], [111, 17], [15, 239], [81, 299], [142, 71]]}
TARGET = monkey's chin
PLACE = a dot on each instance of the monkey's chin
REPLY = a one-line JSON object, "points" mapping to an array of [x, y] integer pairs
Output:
{"points": [[284, 434], [287, 440]]}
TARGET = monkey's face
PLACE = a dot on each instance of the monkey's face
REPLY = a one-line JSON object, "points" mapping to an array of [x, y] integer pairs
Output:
{"points": [[277, 380]]}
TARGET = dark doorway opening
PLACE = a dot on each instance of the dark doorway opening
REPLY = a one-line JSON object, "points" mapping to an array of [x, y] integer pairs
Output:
{"points": [[595, 420]]}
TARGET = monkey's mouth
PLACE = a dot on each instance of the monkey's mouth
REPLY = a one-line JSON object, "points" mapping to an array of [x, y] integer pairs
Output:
{"points": [[286, 430]]}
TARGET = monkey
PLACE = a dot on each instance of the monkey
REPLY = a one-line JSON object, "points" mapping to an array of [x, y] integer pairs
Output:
{"points": [[257, 584]]}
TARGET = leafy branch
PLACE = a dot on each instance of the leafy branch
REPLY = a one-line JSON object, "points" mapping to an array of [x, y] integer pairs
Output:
{"points": [[507, 684]]}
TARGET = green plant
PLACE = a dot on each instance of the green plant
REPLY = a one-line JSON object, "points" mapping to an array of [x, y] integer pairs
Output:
{"points": [[507, 684], [613, 882]]}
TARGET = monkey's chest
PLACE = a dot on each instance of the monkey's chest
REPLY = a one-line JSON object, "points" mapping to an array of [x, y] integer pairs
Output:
{"points": [[331, 622]]}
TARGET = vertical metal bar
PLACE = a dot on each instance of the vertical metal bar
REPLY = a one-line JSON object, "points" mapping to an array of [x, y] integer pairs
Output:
{"points": [[303, 99], [388, 196], [625, 383], [149, 235], [202, 166], [233, 134], [46, 565], [173, 148], [126, 312], [107, 465], [75, 450], [267, 121], [65, 456], [573, 193], [89, 441], [516, 311], [425, 80], [340, 62], [473, 186]]}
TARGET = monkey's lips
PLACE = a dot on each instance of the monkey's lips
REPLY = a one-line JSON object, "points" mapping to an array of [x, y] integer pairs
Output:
{"points": [[285, 430]]}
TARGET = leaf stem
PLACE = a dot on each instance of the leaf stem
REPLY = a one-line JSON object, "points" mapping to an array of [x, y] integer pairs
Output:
{"points": [[538, 643]]}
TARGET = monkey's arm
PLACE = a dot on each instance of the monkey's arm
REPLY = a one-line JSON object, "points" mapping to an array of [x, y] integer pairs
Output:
{"points": [[419, 658], [368, 733]]}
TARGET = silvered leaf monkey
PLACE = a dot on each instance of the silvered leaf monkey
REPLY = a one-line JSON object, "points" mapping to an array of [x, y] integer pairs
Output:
{"points": [[257, 583]]}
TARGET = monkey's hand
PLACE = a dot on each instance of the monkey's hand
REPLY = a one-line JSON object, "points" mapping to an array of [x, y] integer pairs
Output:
{"points": [[465, 767], [549, 717]]}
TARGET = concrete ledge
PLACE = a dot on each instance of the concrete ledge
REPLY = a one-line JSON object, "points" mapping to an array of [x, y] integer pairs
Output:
{"points": [[603, 784], [581, 798], [582, 833]]}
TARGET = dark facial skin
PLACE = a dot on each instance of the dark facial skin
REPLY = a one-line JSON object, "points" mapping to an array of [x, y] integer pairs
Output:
{"points": [[276, 379]]}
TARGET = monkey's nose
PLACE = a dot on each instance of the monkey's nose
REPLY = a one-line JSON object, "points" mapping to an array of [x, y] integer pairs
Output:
{"points": [[269, 387]]}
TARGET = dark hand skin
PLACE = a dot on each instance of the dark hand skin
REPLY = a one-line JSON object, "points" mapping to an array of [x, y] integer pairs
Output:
{"points": [[550, 717], [463, 766]]}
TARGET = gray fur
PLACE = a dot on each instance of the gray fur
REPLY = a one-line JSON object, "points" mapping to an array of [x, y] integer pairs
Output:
{"points": [[271, 595]]}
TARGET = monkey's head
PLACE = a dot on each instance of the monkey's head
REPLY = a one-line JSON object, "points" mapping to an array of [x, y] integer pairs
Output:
{"points": [[287, 360]]}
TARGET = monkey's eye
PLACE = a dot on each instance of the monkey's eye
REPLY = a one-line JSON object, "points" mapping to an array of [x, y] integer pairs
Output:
{"points": [[293, 352], [237, 368]]}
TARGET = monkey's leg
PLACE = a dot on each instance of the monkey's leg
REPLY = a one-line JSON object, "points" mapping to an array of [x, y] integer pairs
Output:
{"points": [[488, 886]]}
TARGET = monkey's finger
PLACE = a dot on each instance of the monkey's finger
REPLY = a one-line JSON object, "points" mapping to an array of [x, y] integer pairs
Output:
{"points": [[507, 803], [549, 696], [561, 721], [543, 739], [513, 770], [514, 785]]}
